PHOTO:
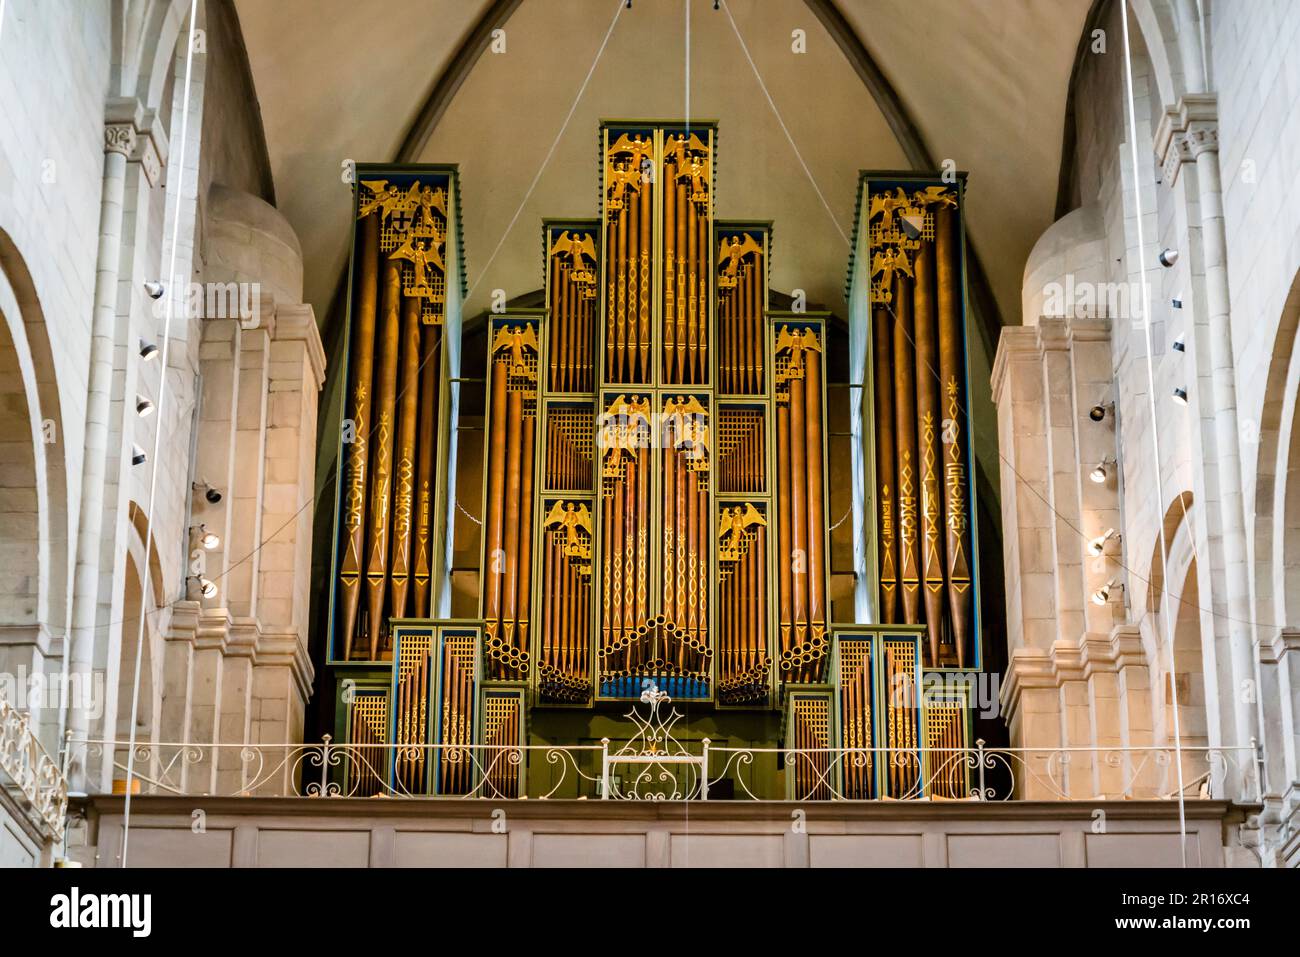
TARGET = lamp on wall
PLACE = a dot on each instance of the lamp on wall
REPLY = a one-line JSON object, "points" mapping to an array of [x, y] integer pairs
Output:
{"points": [[1102, 594], [1098, 545], [212, 495], [148, 351], [1168, 257], [137, 455], [154, 289], [1180, 394], [1101, 471], [143, 406], [208, 540], [1099, 411], [206, 587]]}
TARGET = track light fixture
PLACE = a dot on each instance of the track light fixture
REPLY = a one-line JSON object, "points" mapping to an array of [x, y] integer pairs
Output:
{"points": [[1099, 411], [1180, 395], [1098, 545], [1102, 594], [1180, 344], [137, 455], [205, 586], [209, 540], [154, 289], [1101, 472], [1168, 257], [143, 406], [148, 351], [212, 495]]}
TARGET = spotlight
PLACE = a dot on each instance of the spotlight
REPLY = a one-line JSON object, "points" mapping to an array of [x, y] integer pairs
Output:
{"points": [[1099, 411], [1180, 395], [1180, 344], [206, 586], [212, 495], [148, 351], [1176, 303], [137, 455], [143, 406], [1098, 545], [1102, 471], [1102, 594], [1168, 257], [154, 289], [208, 540]]}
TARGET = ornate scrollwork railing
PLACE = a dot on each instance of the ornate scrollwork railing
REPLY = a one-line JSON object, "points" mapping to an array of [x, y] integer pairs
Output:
{"points": [[654, 766], [35, 774]]}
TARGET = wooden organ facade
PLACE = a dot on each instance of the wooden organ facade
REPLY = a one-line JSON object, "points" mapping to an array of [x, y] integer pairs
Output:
{"points": [[655, 484]]}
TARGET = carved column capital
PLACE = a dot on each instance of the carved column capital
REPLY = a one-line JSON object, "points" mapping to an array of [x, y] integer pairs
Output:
{"points": [[119, 138], [133, 132], [1185, 132]]}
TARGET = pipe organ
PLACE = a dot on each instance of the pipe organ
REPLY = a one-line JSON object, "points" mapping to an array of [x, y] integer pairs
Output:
{"points": [[394, 446], [655, 503], [907, 283]]}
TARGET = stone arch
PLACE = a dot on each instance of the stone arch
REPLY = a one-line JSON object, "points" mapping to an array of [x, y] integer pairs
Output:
{"points": [[1177, 541], [33, 466], [145, 35], [1276, 539], [1170, 33], [142, 596]]}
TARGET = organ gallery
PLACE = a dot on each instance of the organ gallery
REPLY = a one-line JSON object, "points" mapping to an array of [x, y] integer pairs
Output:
{"points": [[652, 441]]}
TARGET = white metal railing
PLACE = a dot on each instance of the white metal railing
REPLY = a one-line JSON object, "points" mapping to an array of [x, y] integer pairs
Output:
{"points": [[667, 770], [32, 772], [654, 765]]}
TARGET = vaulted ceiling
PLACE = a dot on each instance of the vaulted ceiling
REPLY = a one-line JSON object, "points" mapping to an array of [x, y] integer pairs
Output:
{"points": [[982, 83]]}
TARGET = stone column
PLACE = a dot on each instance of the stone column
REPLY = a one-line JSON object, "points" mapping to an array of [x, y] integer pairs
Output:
{"points": [[126, 141], [283, 676], [1030, 694], [1188, 135]]}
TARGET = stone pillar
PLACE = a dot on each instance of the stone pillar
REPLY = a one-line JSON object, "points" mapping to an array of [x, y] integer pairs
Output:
{"points": [[122, 144], [1030, 696], [284, 673], [1188, 136]]}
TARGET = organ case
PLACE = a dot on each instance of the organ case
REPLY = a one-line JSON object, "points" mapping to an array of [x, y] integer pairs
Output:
{"points": [[907, 295]]}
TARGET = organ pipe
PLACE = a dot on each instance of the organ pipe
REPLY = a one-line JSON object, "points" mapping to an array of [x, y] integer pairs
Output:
{"points": [[391, 435]]}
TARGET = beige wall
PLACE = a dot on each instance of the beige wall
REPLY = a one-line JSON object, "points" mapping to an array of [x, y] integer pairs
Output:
{"points": [[448, 833]]}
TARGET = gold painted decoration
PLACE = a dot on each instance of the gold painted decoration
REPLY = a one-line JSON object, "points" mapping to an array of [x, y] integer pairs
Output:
{"points": [[368, 736], [921, 422], [564, 663], [507, 526], [743, 662], [742, 299], [742, 449], [800, 484], [629, 205], [687, 228], [572, 304], [387, 520], [413, 233]]}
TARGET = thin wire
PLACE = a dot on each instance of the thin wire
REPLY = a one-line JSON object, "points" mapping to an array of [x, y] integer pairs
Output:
{"points": [[784, 128], [168, 279], [688, 65], [2, 19], [618, 10], [1155, 425]]}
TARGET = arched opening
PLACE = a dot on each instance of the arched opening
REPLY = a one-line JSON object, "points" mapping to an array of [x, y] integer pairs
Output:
{"points": [[34, 572], [20, 564]]}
